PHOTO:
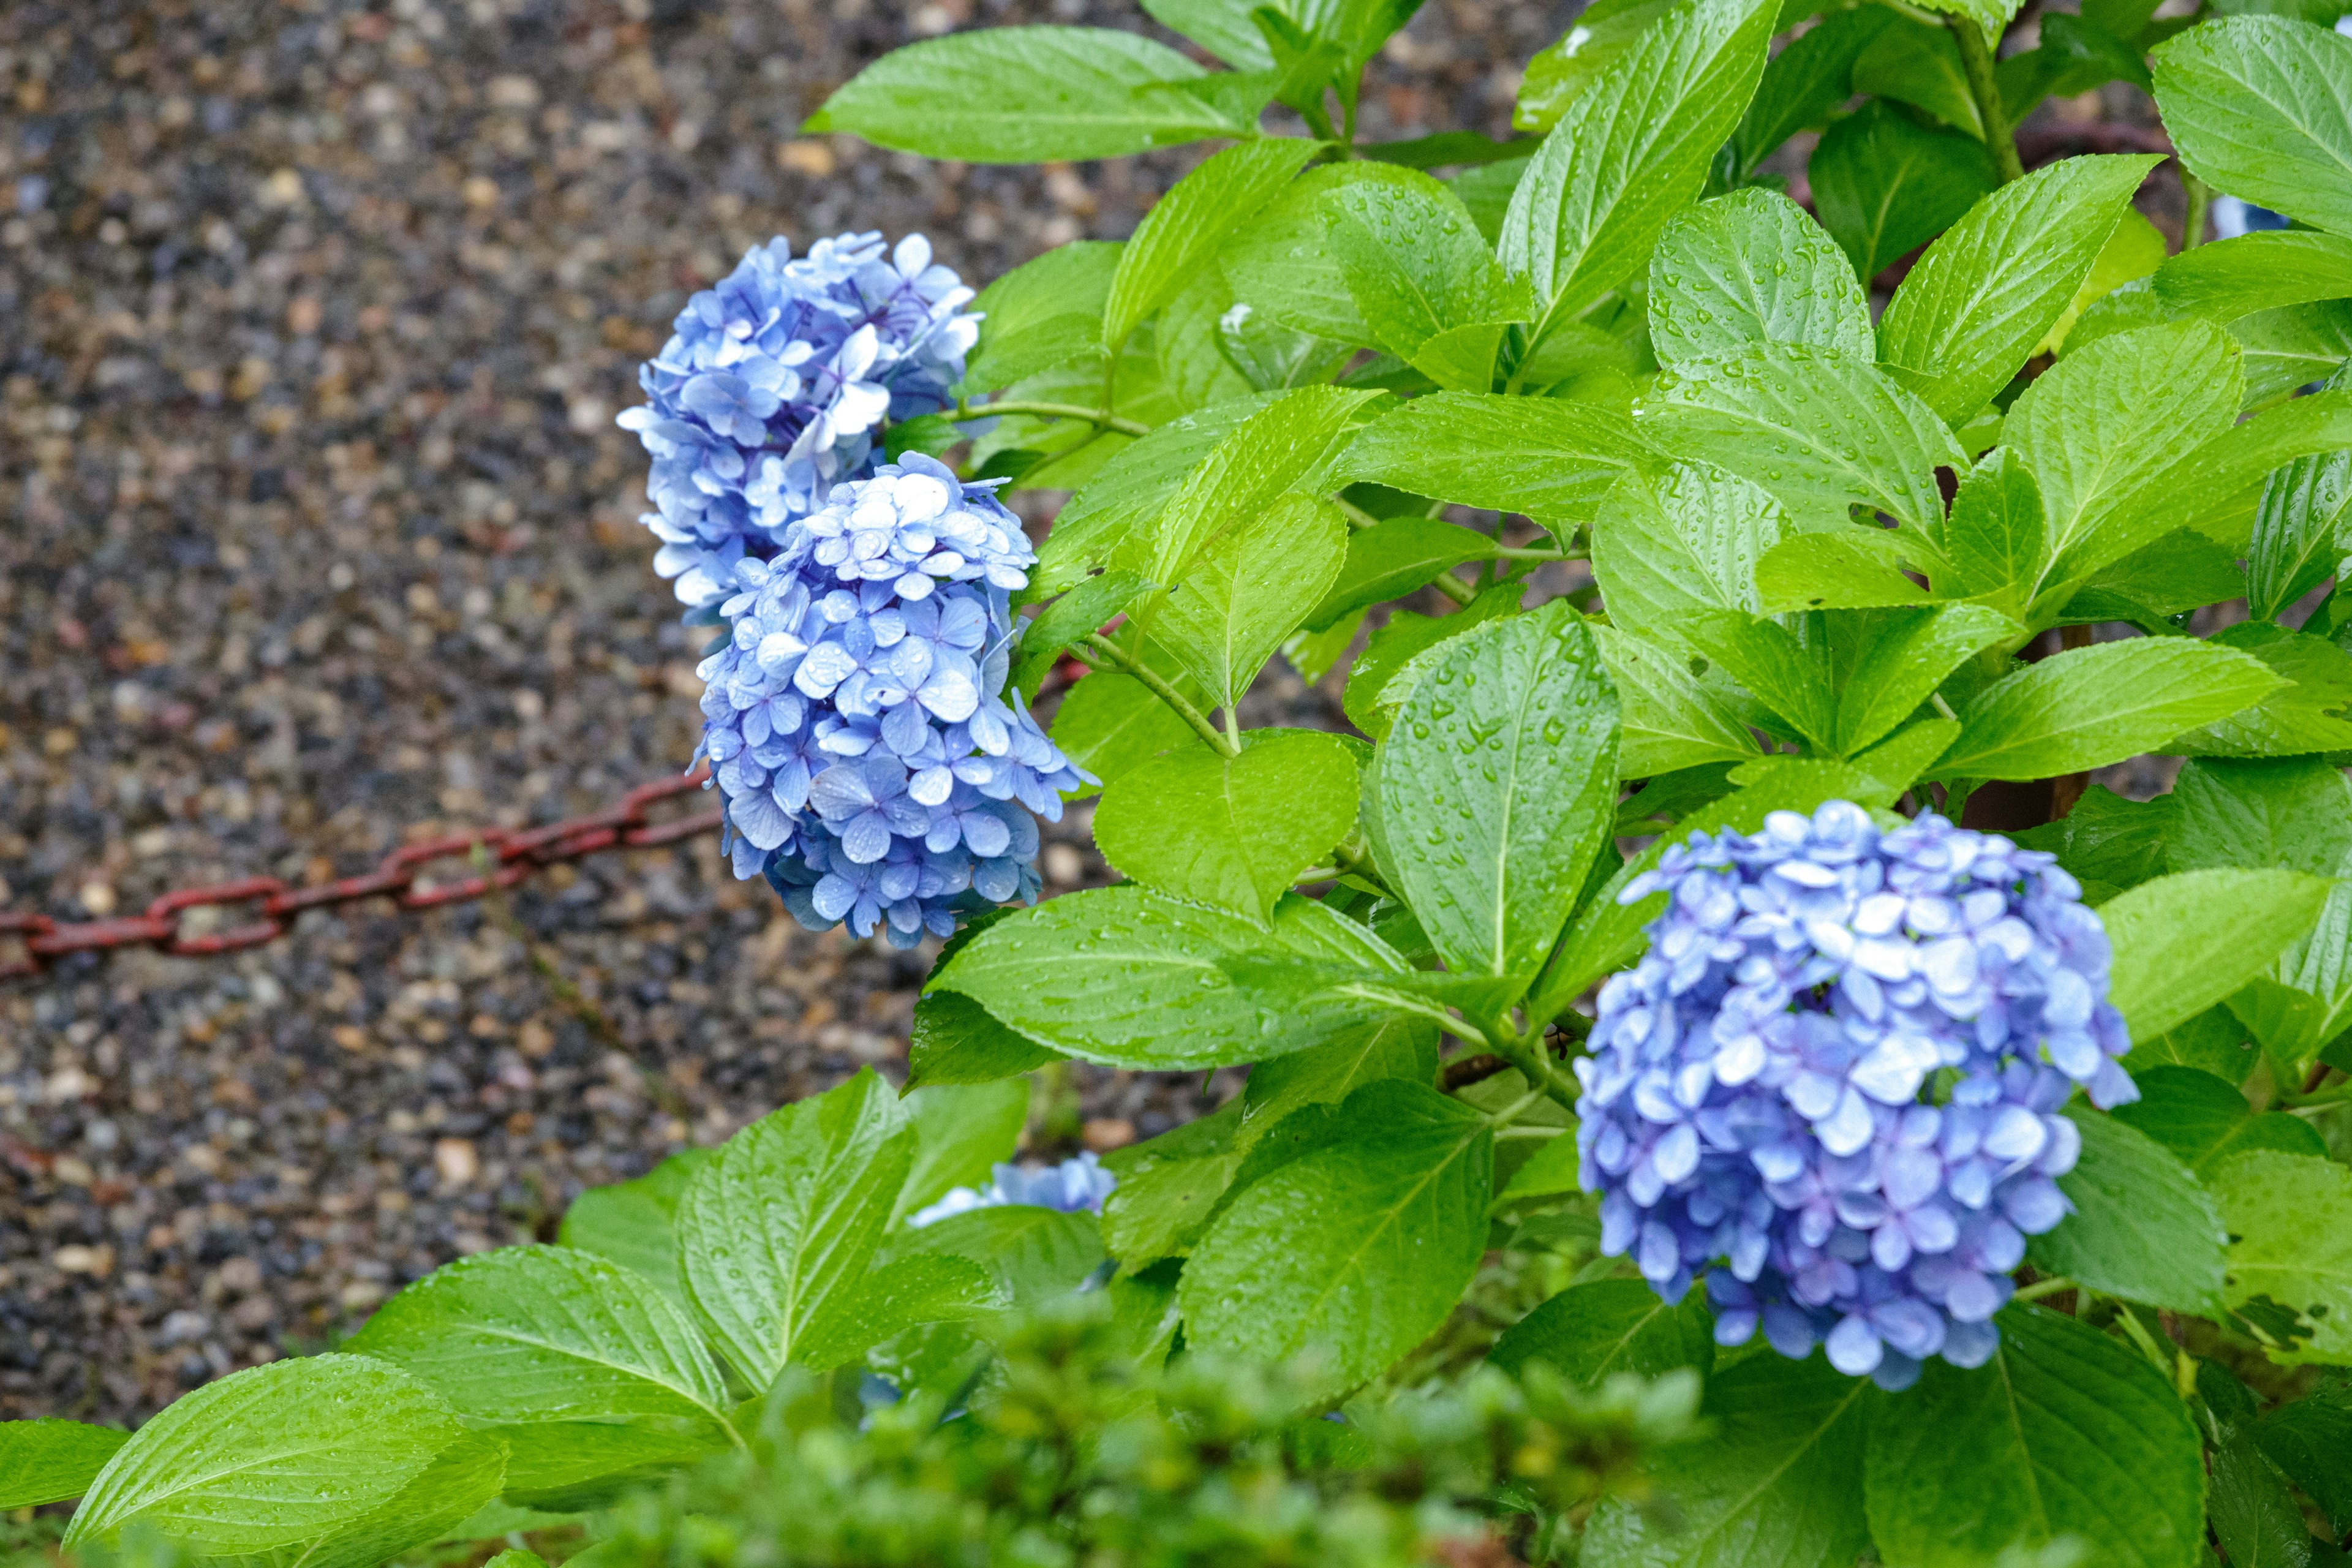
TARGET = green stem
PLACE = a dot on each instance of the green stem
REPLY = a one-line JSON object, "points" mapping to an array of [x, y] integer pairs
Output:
{"points": [[1102, 417], [1975, 59], [1234, 732], [1532, 1064], [1505, 552], [1445, 583], [2041, 1287], [2200, 198], [1110, 653], [1942, 707]]}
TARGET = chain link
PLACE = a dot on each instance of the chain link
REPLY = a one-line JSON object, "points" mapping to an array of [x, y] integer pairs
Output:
{"points": [[518, 853]]}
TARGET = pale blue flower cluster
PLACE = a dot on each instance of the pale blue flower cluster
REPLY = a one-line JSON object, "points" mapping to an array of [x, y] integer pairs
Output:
{"points": [[1836, 1075], [1076, 1184], [873, 763], [772, 385]]}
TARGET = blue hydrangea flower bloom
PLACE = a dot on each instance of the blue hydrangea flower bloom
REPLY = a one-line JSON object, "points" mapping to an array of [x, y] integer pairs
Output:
{"points": [[1076, 1184], [771, 388], [1834, 1081], [875, 765]]}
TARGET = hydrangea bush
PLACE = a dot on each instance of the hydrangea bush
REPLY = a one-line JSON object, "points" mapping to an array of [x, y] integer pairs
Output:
{"points": [[1713, 1049]]}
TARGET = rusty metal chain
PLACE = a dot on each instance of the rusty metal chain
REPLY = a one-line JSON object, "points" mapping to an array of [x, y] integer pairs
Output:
{"points": [[516, 853]]}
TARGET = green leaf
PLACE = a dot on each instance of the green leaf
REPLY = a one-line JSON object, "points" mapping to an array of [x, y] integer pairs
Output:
{"points": [[1356, 1247], [2261, 271], [2307, 714], [2310, 1439], [2179, 572], [778, 1229], [1497, 786], [1030, 1253], [1542, 457], [1919, 63], [1234, 832], [2213, 1042], [1772, 1484], [2206, 1122], [2067, 1433], [1632, 149], [2256, 105], [1402, 1048], [1388, 562], [1191, 345], [337, 1460], [1127, 977], [1130, 492], [1667, 718], [1819, 430], [1279, 449], [1052, 92], [2111, 425], [1996, 536], [2254, 1518], [1185, 229], [1590, 1332], [957, 1040], [2297, 814], [528, 1334], [1763, 657], [1221, 26], [1044, 314], [2290, 1223], [1908, 655], [1168, 1186], [1807, 80], [1082, 611], [2142, 1229], [2184, 942], [2298, 528], [1415, 262], [2292, 347], [52, 1461], [632, 1223], [1557, 76], [1684, 539], [1110, 722], [1247, 589], [1749, 268], [1980, 298], [1883, 183], [2088, 707], [1842, 568], [963, 1132], [2134, 252], [1282, 265], [907, 1292]]}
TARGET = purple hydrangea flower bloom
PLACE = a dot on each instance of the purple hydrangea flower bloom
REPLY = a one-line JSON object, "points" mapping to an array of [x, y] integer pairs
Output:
{"points": [[1076, 1184], [772, 386], [874, 764], [1834, 1081]]}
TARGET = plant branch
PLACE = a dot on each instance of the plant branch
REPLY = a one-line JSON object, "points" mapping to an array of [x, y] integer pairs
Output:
{"points": [[1102, 417], [2041, 1287], [1109, 652], [1534, 1065], [1445, 583], [2199, 197], [1975, 59]]}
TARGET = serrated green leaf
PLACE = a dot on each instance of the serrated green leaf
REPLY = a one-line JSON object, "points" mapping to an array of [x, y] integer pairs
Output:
{"points": [[1085, 609], [1402, 1049], [1221, 26], [2290, 1222], [1356, 1249], [1185, 227], [1246, 591], [1282, 265], [962, 1133], [1764, 657], [1685, 539], [1053, 92], [1667, 718], [776, 1231], [1168, 1186], [1558, 75], [1127, 977], [2310, 711], [1632, 148], [1819, 430], [2184, 942], [1542, 457], [1907, 656], [1591, 1331], [1193, 359], [2088, 707], [52, 1461], [1773, 1483], [1494, 789], [903, 1293], [1415, 262], [1130, 491], [1883, 183], [2230, 279], [2179, 573], [1752, 267], [2143, 1229], [2299, 527], [2310, 1439], [2292, 347], [1028, 1253], [2066, 1432], [1973, 308], [1390, 560], [1807, 81], [1110, 722], [1232, 831], [1919, 63], [954, 1039], [1838, 568], [298, 1457], [2257, 106], [2206, 1122], [2134, 252], [1041, 314], [2255, 1520], [631, 1223]]}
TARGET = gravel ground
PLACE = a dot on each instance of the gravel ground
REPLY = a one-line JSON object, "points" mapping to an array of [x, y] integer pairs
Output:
{"points": [[314, 317]]}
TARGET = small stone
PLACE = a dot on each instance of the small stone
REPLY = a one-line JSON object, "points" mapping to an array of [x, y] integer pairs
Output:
{"points": [[1103, 1133], [455, 1160]]}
